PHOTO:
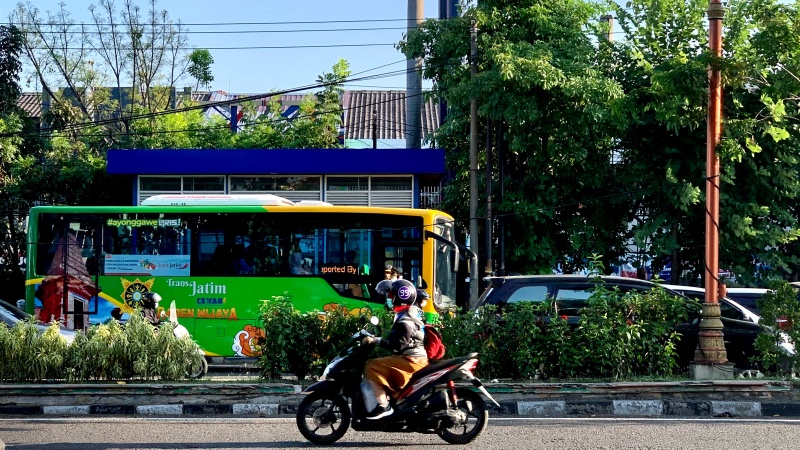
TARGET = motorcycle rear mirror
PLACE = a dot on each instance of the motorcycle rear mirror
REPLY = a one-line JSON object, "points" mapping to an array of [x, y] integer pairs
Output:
{"points": [[374, 320]]}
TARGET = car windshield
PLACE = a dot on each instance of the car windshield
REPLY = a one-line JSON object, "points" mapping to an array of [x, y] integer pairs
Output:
{"points": [[7, 317], [13, 310], [748, 300]]}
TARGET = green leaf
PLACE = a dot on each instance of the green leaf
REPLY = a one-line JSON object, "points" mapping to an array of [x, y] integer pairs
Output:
{"points": [[778, 134]]}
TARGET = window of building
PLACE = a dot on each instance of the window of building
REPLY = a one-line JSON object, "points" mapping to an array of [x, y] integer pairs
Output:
{"points": [[202, 184], [348, 183], [163, 184]]}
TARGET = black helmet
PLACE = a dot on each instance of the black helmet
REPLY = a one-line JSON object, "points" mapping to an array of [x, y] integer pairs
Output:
{"points": [[150, 300], [402, 292]]}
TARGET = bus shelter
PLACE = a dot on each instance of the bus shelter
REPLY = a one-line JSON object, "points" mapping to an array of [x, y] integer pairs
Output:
{"points": [[409, 178]]}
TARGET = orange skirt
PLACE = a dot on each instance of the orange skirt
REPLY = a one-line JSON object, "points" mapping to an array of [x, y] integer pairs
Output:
{"points": [[393, 372]]}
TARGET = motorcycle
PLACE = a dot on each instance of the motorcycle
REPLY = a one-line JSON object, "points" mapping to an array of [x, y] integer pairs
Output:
{"points": [[429, 403]]}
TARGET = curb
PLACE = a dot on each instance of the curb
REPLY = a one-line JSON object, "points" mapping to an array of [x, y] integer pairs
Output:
{"points": [[740, 398], [622, 408]]}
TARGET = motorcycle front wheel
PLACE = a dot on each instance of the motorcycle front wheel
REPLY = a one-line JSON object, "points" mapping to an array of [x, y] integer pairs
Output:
{"points": [[477, 416], [198, 368], [323, 417]]}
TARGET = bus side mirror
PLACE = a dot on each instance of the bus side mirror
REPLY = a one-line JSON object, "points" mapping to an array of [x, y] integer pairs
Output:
{"points": [[454, 257]]}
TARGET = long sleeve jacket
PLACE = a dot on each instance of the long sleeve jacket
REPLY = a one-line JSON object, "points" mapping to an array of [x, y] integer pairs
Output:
{"points": [[406, 336]]}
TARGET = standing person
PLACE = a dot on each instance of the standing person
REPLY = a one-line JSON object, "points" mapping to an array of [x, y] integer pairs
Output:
{"points": [[392, 273], [388, 375]]}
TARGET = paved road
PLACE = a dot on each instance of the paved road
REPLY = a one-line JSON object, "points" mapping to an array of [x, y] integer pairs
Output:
{"points": [[130, 433]]}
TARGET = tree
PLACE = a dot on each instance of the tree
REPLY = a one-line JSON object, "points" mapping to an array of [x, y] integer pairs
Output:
{"points": [[662, 65], [315, 126], [200, 67], [11, 208], [123, 45], [536, 80]]}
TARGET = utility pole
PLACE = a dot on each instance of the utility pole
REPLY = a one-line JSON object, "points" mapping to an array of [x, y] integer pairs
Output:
{"points": [[710, 359], [473, 168], [501, 176], [374, 129], [609, 19], [489, 269], [413, 129], [234, 119]]}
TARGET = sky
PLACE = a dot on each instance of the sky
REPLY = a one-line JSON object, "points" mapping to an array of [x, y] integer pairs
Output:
{"points": [[264, 69]]}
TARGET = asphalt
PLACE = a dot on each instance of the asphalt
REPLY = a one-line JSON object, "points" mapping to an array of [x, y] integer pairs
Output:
{"points": [[245, 395]]}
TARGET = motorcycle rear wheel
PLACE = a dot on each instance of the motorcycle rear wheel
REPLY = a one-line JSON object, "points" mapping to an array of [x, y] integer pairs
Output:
{"points": [[471, 404], [321, 411]]}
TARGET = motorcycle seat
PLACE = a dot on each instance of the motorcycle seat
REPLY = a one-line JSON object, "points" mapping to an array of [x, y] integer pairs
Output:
{"points": [[438, 365]]}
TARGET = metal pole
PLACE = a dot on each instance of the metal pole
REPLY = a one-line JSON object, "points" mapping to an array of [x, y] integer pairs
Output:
{"points": [[711, 345], [473, 167], [489, 269], [501, 175], [374, 129], [234, 118], [413, 128], [608, 19]]}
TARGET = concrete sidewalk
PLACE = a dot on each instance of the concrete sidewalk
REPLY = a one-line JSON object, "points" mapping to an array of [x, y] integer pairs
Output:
{"points": [[220, 396]]}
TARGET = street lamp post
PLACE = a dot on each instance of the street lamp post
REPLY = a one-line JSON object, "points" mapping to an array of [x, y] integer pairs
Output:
{"points": [[711, 360]]}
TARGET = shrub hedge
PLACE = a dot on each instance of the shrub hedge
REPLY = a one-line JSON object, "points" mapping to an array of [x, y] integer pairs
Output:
{"points": [[617, 336], [107, 352]]}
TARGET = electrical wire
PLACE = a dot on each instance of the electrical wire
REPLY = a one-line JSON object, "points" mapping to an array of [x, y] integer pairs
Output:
{"points": [[253, 47], [237, 100], [242, 99], [206, 128], [318, 30], [216, 24]]}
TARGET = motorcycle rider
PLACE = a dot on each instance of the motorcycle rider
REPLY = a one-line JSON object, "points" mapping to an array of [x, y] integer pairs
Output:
{"points": [[149, 304], [388, 375]]}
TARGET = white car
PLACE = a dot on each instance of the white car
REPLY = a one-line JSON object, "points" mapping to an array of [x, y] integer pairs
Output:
{"points": [[747, 297], [733, 310]]}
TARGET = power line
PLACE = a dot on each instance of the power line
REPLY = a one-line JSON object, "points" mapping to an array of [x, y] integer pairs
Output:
{"points": [[254, 123], [243, 99], [82, 33], [215, 24], [266, 47]]}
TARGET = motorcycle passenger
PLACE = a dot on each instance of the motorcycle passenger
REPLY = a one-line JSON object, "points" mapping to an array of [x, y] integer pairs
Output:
{"points": [[388, 375], [149, 305]]}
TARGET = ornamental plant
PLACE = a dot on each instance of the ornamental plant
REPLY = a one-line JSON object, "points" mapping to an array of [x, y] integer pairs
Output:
{"points": [[106, 352], [780, 316]]}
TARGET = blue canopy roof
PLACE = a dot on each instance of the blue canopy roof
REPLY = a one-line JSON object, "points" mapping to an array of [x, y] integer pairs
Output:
{"points": [[276, 161]]}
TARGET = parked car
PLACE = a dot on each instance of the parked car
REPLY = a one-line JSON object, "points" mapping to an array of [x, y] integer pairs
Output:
{"points": [[747, 297], [10, 315], [570, 292], [740, 325]]}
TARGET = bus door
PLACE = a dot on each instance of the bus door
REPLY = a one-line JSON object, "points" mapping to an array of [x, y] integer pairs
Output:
{"points": [[404, 257]]}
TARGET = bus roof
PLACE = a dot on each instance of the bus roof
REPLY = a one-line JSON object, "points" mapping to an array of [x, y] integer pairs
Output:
{"points": [[243, 203], [218, 200]]}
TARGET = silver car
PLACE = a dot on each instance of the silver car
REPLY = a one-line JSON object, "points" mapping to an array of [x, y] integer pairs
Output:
{"points": [[11, 315]]}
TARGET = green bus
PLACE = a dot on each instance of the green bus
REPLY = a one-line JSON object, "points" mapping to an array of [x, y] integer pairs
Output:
{"points": [[218, 257]]}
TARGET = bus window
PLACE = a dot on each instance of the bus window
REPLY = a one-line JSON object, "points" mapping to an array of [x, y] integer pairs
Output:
{"points": [[405, 260], [145, 244], [87, 240]]}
